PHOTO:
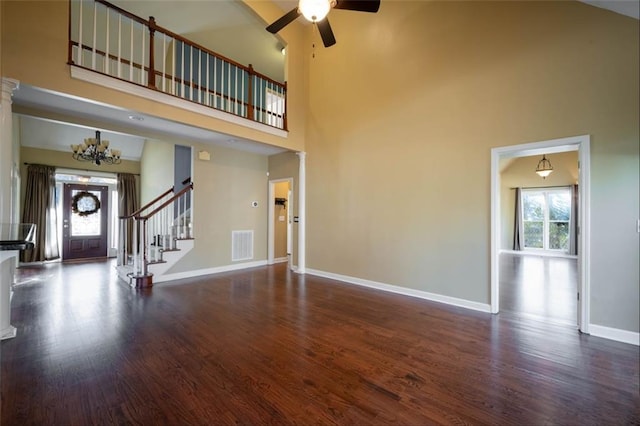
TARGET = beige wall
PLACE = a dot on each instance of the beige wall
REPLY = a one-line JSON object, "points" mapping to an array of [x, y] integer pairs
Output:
{"points": [[224, 189], [34, 38], [403, 113], [521, 173], [156, 169]]}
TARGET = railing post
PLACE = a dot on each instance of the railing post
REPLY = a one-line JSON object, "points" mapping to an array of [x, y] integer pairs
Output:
{"points": [[135, 249], [250, 94], [145, 246], [151, 78], [122, 244], [284, 113]]}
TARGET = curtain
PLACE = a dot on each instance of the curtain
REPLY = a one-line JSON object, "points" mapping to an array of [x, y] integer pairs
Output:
{"points": [[573, 222], [127, 202], [518, 226], [40, 209]]}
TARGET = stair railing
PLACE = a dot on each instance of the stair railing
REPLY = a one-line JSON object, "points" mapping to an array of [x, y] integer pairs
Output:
{"points": [[154, 229], [112, 41]]}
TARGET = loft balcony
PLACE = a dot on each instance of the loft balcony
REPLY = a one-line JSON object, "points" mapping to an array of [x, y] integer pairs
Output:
{"points": [[113, 42]]}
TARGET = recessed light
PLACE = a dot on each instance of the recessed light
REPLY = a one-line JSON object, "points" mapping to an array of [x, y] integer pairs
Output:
{"points": [[136, 118]]}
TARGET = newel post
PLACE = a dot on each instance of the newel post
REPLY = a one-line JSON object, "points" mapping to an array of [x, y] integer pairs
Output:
{"points": [[250, 114], [151, 81]]}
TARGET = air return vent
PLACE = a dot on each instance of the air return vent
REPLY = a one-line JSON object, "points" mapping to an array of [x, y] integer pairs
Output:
{"points": [[241, 245]]}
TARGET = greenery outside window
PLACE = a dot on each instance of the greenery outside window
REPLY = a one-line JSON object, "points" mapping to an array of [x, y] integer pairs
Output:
{"points": [[546, 215]]}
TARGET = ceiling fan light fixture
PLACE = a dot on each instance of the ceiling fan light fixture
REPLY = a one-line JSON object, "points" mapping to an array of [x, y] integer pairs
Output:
{"points": [[544, 167], [314, 10]]}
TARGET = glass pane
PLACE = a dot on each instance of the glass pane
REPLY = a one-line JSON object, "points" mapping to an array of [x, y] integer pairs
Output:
{"points": [[560, 206], [559, 235], [533, 206], [86, 224], [533, 234]]}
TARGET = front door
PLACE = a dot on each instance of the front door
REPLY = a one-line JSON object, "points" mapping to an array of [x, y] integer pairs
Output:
{"points": [[84, 233]]}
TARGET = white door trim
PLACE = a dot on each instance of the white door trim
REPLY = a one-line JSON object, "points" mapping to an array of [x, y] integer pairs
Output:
{"points": [[574, 143], [271, 216]]}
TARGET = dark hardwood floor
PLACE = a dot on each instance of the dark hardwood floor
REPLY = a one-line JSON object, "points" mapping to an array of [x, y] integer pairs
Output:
{"points": [[268, 346], [539, 287]]}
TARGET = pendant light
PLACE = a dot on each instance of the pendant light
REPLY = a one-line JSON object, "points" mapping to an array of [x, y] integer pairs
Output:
{"points": [[544, 168]]}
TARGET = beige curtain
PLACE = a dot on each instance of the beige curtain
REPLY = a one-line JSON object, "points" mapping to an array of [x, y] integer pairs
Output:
{"points": [[127, 201], [40, 209]]}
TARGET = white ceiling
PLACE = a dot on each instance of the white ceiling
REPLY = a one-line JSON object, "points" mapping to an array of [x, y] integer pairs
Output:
{"points": [[624, 7], [131, 127]]}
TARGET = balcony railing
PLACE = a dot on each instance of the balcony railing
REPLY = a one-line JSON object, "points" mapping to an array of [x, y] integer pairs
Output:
{"points": [[107, 39]]}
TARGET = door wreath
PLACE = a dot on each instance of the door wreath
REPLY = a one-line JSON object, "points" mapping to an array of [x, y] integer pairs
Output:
{"points": [[84, 203]]}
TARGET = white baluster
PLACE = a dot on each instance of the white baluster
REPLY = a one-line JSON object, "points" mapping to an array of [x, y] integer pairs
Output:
{"points": [[207, 98], [119, 45], [164, 61], [80, 34], [142, 55], [95, 26], [106, 54], [131, 52]]}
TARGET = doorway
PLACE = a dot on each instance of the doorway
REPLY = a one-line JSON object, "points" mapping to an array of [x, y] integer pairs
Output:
{"points": [[280, 216], [84, 221], [579, 144]]}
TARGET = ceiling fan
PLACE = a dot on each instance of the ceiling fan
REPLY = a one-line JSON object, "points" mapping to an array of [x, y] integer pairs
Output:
{"points": [[316, 11]]}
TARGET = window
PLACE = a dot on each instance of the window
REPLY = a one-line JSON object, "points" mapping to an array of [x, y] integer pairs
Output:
{"points": [[546, 216]]}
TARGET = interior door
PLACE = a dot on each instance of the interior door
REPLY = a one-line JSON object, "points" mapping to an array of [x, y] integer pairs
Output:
{"points": [[84, 222]]}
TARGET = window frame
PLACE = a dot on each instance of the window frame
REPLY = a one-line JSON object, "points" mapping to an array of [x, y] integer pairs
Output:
{"points": [[546, 221]]}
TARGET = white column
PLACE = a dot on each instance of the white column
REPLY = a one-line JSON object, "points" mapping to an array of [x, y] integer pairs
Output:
{"points": [[302, 217], [6, 151], [7, 155]]}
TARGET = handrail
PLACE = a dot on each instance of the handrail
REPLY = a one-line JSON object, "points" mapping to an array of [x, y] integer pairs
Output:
{"points": [[237, 89], [167, 202], [146, 206], [150, 203], [169, 219]]}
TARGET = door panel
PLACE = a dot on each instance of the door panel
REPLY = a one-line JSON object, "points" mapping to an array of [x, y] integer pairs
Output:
{"points": [[84, 229]]}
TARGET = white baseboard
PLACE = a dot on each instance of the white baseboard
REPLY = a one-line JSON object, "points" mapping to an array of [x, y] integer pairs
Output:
{"points": [[463, 303], [540, 253], [281, 259], [208, 271], [616, 334]]}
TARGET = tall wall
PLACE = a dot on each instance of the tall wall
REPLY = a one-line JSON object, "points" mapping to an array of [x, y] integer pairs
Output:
{"points": [[403, 112]]}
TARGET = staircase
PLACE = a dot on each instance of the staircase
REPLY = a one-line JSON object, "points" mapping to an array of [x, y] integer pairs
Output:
{"points": [[155, 237]]}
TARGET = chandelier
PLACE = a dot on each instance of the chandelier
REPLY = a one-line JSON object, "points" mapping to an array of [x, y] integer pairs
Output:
{"points": [[96, 151], [544, 168]]}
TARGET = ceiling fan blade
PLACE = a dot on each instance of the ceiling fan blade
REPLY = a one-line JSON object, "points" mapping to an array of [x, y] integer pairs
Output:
{"points": [[283, 21], [326, 33], [358, 5]]}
